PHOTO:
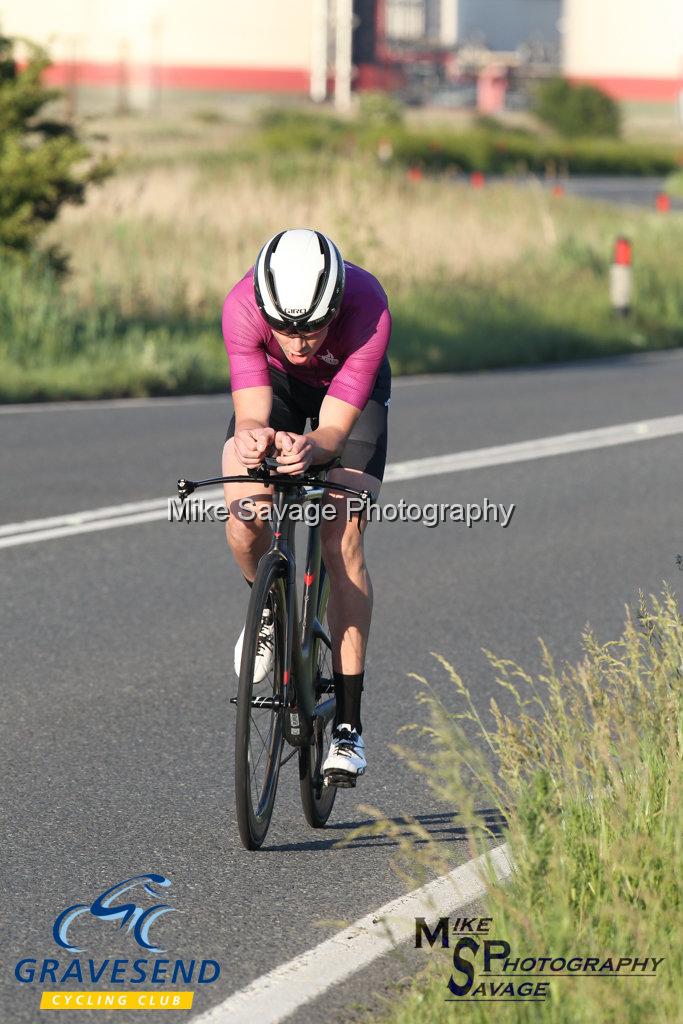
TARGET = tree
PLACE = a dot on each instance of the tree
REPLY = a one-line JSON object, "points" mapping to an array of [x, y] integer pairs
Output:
{"points": [[575, 110], [43, 163]]}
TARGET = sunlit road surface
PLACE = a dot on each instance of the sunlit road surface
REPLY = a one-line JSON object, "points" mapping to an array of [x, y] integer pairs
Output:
{"points": [[117, 732]]}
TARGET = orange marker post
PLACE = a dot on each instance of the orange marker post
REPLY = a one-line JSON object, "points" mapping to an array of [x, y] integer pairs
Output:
{"points": [[663, 202], [621, 277]]}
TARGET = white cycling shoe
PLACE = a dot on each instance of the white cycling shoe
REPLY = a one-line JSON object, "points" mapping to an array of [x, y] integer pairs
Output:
{"points": [[263, 663], [346, 758]]}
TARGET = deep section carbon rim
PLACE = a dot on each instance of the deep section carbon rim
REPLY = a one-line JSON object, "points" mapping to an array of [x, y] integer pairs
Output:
{"points": [[317, 799], [260, 715]]}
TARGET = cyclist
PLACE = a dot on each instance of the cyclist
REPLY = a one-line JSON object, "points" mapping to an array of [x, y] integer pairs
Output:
{"points": [[307, 335]]}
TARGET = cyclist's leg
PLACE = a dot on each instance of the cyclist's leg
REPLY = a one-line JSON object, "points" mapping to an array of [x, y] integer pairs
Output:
{"points": [[349, 609], [350, 602], [248, 529]]}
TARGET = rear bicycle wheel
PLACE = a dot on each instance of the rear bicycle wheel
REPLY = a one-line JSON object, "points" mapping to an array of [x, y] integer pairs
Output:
{"points": [[259, 735], [318, 799]]}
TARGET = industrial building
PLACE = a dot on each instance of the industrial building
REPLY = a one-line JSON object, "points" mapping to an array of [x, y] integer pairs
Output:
{"points": [[271, 46], [206, 44], [494, 24], [631, 48]]}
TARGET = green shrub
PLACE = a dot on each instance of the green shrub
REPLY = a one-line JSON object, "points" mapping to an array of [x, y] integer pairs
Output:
{"points": [[378, 108], [513, 153], [674, 184], [488, 147], [575, 110], [43, 164]]}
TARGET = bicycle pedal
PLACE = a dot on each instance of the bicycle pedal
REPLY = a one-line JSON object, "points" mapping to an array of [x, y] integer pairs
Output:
{"points": [[340, 779]]}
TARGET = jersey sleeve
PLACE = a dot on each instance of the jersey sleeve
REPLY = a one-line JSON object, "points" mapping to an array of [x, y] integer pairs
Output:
{"points": [[245, 344], [369, 336]]}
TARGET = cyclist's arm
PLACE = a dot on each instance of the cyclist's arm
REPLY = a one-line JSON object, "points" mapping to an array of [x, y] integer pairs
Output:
{"points": [[252, 407], [352, 385], [335, 423], [253, 436]]}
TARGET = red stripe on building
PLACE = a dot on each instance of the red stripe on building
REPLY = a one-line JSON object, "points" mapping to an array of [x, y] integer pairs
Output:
{"points": [[180, 76], [378, 76], [659, 90]]}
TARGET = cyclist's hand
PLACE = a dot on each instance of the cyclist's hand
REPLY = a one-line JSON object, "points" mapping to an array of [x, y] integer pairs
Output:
{"points": [[252, 445], [296, 452]]}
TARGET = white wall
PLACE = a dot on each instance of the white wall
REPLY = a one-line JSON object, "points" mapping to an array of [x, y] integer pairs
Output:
{"points": [[623, 38], [405, 19], [239, 33], [449, 22]]}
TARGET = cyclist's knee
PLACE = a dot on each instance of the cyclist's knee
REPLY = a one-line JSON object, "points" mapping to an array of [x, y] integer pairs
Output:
{"points": [[244, 533], [342, 547], [248, 512]]}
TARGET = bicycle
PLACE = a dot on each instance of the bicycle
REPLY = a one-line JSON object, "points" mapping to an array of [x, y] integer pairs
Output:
{"points": [[295, 704]]}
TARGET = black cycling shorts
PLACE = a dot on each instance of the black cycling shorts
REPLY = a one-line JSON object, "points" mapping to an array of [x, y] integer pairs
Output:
{"points": [[295, 402]]}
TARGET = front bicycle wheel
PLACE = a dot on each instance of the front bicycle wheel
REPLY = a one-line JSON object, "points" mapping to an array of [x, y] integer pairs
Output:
{"points": [[318, 799], [259, 734]]}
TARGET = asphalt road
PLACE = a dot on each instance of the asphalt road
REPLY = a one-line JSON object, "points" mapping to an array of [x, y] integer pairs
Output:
{"points": [[116, 730], [628, 191]]}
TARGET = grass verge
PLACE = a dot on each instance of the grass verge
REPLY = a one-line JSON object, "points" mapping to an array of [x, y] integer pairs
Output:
{"points": [[589, 774], [503, 276]]}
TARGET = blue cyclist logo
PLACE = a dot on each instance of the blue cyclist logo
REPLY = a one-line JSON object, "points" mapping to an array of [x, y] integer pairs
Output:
{"points": [[138, 919]]}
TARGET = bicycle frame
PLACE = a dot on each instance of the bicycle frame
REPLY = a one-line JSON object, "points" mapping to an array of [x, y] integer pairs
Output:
{"points": [[301, 635]]}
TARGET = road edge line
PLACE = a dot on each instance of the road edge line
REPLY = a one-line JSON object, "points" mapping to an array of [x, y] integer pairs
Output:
{"points": [[276, 995], [594, 439]]}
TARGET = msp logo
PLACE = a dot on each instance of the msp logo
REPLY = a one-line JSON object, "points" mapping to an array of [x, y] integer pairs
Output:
{"points": [[329, 359], [138, 919], [486, 970]]}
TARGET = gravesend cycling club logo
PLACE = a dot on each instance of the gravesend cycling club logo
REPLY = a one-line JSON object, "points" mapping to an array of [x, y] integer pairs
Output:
{"points": [[487, 970], [138, 919], [136, 907]]}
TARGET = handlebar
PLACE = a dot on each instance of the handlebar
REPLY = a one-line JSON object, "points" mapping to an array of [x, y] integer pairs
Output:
{"points": [[265, 474]]}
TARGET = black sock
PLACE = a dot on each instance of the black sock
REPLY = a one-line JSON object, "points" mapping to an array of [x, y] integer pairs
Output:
{"points": [[347, 692]]}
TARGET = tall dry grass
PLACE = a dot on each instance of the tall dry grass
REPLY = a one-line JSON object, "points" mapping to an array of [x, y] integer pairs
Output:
{"points": [[504, 276], [586, 768], [155, 235]]}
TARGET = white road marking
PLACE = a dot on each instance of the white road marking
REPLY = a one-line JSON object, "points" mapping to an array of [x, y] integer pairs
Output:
{"points": [[110, 517], [77, 518], [539, 448], [275, 996], [86, 527]]}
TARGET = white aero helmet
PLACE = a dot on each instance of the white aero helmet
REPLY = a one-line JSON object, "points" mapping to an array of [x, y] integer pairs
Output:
{"points": [[299, 281]]}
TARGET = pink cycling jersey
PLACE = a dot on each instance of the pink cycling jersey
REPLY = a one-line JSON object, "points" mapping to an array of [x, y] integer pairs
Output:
{"points": [[346, 363]]}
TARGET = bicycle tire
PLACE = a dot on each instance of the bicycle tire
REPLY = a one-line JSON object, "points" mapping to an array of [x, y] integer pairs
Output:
{"points": [[317, 799], [255, 801]]}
